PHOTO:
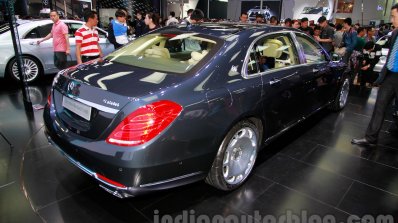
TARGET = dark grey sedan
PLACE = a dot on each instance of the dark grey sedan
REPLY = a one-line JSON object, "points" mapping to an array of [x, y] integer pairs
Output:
{"points": [[183, 104]]}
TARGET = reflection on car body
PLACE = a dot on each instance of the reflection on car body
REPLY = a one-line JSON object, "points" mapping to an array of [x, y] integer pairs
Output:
{"points": [[185, 116], [38, 59]]}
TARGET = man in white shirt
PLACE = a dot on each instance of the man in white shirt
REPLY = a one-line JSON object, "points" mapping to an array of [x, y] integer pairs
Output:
{"points": [[172, 19], [187, 20]]}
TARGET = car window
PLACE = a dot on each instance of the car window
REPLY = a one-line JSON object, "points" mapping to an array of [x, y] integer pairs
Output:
{"points": [[72, 28], [32, 34], [101, 34], [252, 65], [272, 52], [44, 30], [313, 52], [168, 52]]}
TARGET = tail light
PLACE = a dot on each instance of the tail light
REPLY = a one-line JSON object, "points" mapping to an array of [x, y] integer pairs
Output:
{"points": [[49, 100], [144, 123]]}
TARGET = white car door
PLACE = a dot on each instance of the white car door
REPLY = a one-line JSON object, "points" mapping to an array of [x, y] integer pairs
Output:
{"points": [[45, 51], [72, 27], [105, 45]]}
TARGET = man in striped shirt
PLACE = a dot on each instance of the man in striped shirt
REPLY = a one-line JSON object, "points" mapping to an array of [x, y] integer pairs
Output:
{"points": [[87, 45]]}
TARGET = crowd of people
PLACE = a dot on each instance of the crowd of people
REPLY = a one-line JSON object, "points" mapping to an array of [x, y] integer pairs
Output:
{"points": [[122, 25], [354, 43]]}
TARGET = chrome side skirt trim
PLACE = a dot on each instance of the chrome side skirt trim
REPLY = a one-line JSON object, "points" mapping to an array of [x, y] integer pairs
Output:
{"points": [[114, 193], [171, 179]]}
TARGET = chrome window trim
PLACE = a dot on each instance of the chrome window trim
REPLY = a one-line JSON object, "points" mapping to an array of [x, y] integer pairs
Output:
{"points": [[299, 47], [327, 58], [171, 179]]}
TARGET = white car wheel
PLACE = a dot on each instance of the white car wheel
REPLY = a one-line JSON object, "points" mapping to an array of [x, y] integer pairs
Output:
{"points": [[30, 67]]}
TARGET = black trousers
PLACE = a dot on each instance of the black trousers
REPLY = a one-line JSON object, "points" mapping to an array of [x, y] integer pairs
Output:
{"points": [[88, 58], [387, 91], [60, 60], [346, 57]]}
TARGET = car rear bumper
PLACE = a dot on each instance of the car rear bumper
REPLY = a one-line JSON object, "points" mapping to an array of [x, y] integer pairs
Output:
{"points": [[127, 178], [126, 192]]}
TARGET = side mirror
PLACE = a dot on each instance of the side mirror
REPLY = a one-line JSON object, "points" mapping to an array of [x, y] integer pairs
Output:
{"points": [[336, 57]]}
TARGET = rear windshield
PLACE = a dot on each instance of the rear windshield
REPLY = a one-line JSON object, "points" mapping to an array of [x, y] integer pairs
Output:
{"points": [[176, 53]]}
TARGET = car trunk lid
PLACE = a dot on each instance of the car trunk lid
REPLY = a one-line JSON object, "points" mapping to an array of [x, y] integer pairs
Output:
{"points": [[89, 97]]}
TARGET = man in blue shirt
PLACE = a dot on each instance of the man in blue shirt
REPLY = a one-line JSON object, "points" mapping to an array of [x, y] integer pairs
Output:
{"points": [[349, 39], [388, 89], [117, 29]]}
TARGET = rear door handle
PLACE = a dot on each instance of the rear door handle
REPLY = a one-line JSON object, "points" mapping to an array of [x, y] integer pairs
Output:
{"points": [[274, 81]]}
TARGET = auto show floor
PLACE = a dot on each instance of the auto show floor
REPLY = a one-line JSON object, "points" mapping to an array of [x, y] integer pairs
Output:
{"points": [[310, 171]]}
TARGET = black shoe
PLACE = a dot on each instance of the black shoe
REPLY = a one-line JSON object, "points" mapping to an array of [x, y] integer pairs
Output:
{"points": [[363, 142]]}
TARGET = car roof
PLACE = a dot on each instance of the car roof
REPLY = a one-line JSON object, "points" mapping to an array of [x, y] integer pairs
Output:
{"points": [[38, 22], [225, 30], [44, 21]]}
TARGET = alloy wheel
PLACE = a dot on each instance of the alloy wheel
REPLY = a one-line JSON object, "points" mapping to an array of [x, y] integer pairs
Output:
{"points": [[240, 155], [30, 68]]}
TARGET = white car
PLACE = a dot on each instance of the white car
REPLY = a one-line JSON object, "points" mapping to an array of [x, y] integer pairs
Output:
{"points": [[38, 59], [382, 51], [265, 12]]}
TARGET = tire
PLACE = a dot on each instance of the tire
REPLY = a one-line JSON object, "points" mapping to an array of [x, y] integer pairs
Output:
{"points": [[32, 68], [240, 146], [341, 99]]}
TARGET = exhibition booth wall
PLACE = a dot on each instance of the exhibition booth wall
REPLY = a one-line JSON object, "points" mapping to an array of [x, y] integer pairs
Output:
{"points": [[373, 10]]}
